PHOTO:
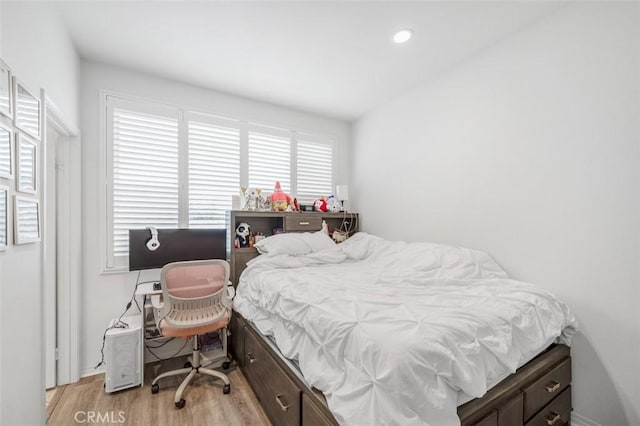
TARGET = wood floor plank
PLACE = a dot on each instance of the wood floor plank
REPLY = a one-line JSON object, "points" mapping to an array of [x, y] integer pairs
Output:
{"points": [[206, 404]]}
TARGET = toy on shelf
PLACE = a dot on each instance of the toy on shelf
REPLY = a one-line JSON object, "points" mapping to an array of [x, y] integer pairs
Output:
{"points": [[250, 198], [243, 230], [320, 205], [333, 204], [279, 199]]}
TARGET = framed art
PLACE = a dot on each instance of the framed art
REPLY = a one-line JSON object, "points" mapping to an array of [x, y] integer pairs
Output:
{"points": [[6, 152], [26, 219], [27, 162], [6, 90], [27, 111], [4, 217]]}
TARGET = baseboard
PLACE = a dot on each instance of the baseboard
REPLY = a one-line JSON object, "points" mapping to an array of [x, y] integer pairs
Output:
{"points": [[90, 371], [578, 420]]}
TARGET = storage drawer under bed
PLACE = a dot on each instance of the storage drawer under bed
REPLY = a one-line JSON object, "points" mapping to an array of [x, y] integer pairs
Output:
{"points": [[539, 393], [278, 395]]}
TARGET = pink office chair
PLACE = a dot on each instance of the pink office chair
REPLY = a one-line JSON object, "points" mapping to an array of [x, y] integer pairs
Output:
{"points": [[196, 299]]}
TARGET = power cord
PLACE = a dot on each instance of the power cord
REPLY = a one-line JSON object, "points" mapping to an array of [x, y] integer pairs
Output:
{"points": [[119, 323]]}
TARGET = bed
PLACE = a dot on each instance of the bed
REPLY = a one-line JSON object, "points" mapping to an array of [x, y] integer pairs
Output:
{"points": [[400, 333]]}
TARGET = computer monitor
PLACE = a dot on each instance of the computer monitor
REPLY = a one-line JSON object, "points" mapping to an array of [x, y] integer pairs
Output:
{"points": [[176, 245]]}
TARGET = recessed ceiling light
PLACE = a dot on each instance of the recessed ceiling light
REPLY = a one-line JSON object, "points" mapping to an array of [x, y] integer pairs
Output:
{"points": [[403, 36]]}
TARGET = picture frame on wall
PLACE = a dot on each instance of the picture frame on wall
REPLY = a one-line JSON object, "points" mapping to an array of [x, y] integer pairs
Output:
{"points": [[27, 162], [4, 217], [26, 219], [27, 110], [6, 90], [6, 151]]}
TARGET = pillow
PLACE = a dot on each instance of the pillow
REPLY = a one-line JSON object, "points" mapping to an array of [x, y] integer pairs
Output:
{"points": [[294, 244]]}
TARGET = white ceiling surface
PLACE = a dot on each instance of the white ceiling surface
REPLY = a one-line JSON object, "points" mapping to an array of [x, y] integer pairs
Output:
{"points": [[331, 58]]}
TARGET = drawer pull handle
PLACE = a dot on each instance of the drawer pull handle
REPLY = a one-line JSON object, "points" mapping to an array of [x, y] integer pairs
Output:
{"points": [[553, 420], [553, 386], [303, 223], [252, 359], [283, 406]]}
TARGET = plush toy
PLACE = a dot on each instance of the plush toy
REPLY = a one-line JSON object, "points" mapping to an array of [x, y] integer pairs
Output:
{"points": [[320, 204], [333, 205], [279, 200], [250, 198], [243, 230]]}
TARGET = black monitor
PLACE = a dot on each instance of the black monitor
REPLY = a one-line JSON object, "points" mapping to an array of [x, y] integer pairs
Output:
{"points": [[176, 245]]}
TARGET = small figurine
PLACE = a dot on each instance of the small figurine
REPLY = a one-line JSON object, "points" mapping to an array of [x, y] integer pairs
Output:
{"points": [[243, 230]]}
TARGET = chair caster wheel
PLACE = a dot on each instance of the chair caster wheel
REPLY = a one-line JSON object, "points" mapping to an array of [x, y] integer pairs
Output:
{"points": [[226, 365], [187, 365], [180, 404], [226, 389], [155, 388]]}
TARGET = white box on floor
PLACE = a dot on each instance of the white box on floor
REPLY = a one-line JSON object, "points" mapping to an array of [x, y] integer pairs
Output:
{"points": [[123, 354]]}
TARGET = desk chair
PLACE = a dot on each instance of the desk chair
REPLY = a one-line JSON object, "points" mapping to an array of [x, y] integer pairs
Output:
{"points": [[196, 300]]}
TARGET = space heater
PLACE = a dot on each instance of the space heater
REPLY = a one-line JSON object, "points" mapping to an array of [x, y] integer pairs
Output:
{"points": [[123, 354]]}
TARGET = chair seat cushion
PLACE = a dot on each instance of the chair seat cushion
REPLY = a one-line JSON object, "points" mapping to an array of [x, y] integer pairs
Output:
{"points": [[169, 331]]}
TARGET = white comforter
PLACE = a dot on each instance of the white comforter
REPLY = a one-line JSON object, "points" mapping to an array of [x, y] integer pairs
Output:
{"points": [[392, 332]]}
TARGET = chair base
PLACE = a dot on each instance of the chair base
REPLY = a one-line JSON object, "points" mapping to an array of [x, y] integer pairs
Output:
{"points": [[196, 368]]}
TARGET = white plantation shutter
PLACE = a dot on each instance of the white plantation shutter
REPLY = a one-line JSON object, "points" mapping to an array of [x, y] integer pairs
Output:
{"points": [[314, 175], [145, 174], [214, 170], [269, 158]]}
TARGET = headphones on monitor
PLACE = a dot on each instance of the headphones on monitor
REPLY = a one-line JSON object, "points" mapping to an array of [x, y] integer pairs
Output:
{"points": [[153, 243]]}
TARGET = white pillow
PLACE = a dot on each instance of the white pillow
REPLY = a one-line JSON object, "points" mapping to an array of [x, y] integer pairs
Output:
{"points": [[294, 243]]}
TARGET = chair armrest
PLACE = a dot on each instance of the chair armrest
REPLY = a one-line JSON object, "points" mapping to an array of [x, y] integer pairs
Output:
{"points": [[231, 292], [157, 302]]}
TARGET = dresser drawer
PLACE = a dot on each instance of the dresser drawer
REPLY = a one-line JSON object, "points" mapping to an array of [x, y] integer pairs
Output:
{"points": [[543, 390], [557, 413], [278, 395], [302, 223]]}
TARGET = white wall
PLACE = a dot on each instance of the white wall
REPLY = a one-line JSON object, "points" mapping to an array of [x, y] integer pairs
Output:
{"points": [[105, 296], [531, 150], [36, 47]]}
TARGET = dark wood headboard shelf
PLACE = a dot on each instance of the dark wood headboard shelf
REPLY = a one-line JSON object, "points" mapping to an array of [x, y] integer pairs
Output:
{"points": [[266, 222]]}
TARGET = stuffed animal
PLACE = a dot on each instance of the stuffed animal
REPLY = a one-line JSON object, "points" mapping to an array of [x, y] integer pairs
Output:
{"points": [[279, 200], [320, 205], [250, 198], [333, 205], [243, 230]]}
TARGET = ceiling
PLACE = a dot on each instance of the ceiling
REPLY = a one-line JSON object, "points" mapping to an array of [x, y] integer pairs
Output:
{"points": [[330, 58]]}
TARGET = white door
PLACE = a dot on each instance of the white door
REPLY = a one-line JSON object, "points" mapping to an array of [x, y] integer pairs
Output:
{"points": [[51, 255]]}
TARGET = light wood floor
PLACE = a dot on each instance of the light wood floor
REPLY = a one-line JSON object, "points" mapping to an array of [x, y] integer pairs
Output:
{"points": [[206, 404]]}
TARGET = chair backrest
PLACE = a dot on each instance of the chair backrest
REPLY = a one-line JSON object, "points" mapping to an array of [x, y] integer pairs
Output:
{"points": [[194, 292]]}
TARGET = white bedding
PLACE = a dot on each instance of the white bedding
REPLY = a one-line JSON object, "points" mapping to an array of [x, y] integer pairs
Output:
{"points": [[395, 333]]}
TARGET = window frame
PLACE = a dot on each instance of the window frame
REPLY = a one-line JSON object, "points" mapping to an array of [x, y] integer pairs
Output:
{"points": [[183, 114]]}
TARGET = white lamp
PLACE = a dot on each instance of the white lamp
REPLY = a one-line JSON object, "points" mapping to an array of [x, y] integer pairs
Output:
{"points": [[342, 193]]}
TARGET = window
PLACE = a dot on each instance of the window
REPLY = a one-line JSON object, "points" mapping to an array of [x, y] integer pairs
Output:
{"points": [[214, 171], [314, 169], [145, 188], [171, 168], [269, 158]]}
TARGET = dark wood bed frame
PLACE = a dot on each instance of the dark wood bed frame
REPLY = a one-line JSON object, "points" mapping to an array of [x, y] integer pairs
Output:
{"points": [[539, 393]]}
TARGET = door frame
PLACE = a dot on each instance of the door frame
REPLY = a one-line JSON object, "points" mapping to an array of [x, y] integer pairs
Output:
{"points": [[68, 298]]}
